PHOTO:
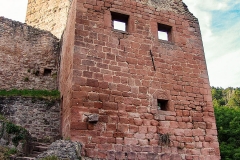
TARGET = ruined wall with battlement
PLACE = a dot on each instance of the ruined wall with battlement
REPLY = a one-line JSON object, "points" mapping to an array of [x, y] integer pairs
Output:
{"points": [[29, 58], [131, 95]]}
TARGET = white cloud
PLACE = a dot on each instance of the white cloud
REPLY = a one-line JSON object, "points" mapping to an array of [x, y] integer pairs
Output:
{"points": [[226, 69], [208, 5], [221, 46], [13, 9]]}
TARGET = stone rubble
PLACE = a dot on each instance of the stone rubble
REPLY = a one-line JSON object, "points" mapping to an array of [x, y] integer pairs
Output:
{"points": [[63, 149]]}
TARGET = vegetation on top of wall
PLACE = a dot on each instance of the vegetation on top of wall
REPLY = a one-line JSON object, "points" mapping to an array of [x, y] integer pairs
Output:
{"points": [[53, 94]]}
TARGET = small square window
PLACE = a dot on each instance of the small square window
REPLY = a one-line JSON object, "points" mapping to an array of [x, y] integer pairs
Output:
{"points": [[164, 32], [162, 104], [119, 21], [47, 72]]}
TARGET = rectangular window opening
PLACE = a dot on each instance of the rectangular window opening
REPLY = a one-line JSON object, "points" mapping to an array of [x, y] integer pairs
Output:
{"points": [[164, 32], [119, 21], [162, 104], [47, 72]]}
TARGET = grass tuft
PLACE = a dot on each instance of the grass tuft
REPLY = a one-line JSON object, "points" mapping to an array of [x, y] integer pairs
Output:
{"points": [[53, 94]]}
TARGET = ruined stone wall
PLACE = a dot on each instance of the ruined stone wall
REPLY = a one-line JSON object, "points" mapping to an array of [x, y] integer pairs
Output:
{"points": [[40, 117], [116, 78], [50, 15], [28, 57]]}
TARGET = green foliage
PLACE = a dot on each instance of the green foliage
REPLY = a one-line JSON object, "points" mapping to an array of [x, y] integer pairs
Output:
{"points": [[2, 117], [229, 96], [11, 151], [6, 152], [227, 112], [50, 158], [18, 132], [54, 94], [235, 98], [12, 128], [218, 96], [228, 125]]}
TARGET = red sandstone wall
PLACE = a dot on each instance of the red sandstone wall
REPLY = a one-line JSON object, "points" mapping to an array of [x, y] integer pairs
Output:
{"points": [[25, 53], [113, 76], [50, 15], [66, 71]]}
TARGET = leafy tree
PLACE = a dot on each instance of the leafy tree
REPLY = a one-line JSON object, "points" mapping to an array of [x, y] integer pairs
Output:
{"points": [[228, 125], [218, 96], [235, 98], [227, 112]]}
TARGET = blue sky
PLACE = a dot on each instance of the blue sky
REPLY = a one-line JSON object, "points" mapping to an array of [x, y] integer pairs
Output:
{"points": [[220, 26]]}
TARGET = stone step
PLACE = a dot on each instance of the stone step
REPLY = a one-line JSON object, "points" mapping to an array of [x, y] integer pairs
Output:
{"points": [[40, 148], [24, 158], [40, 144], [35, 154]]}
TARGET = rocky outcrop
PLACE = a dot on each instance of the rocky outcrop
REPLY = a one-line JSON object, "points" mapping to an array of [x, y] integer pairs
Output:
{"points": [[63, 150]]}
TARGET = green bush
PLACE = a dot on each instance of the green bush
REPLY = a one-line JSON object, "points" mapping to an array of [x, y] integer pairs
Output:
{"points": [[18, 133], [6, 152]]}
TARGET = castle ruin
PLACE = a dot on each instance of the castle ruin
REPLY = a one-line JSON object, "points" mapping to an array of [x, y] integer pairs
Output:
{"points": [[125, 94]]}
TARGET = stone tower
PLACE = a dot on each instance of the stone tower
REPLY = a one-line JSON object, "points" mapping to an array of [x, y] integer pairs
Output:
{"points": [[128, 93], [50, 15]]}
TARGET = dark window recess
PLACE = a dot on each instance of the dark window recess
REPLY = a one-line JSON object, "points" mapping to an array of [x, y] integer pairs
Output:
{"points": [[47, 72], [36, 73], [119, 21], [164, 32], [162, 104]]}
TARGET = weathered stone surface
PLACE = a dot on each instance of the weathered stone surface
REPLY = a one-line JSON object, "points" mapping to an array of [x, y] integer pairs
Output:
{"points": [[28, 57], [50, 15], [40, 117], [121, 75], [93, 118], [63, 150]]}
